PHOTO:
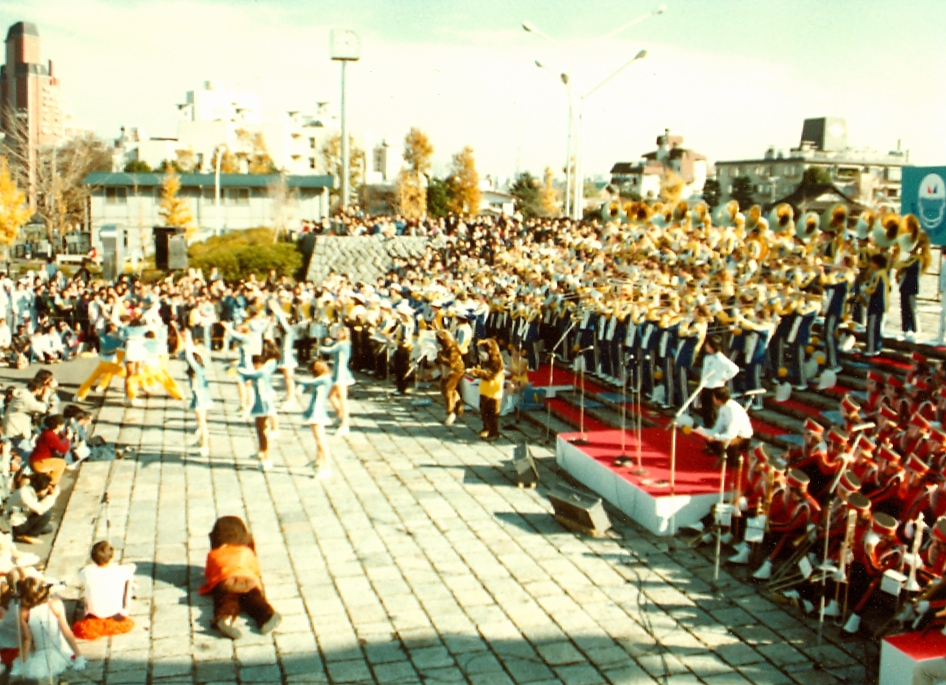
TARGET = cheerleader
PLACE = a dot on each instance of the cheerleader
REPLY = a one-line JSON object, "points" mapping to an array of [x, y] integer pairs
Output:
{"points": [[262, 412], [287, 353], [136, 353], [241, 336], [201, 401], [341, 376], [317, 416]]}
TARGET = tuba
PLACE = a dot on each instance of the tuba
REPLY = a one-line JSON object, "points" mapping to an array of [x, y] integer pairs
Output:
{"points": [[885, 230], [864, 223], [752, 217], [727, 214], [807, 226], [834, 220], [782, 218], [909, 234]]}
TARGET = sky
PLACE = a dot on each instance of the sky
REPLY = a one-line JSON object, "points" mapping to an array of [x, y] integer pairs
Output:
{"points": [[733, 77]]}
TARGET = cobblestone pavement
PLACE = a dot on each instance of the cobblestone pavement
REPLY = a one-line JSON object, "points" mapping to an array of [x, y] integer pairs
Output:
{"points": [[419, 561]]}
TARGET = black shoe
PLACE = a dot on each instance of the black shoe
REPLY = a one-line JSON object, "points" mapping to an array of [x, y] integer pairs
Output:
{"points": [[47, 530]]}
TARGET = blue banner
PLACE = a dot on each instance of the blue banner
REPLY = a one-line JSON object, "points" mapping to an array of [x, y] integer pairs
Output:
{"points": [[923, 193]]}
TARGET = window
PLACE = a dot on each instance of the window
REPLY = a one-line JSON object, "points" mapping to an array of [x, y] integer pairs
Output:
{"points": [[116, 196], [894, 173], [209, 193], [238, 196]]}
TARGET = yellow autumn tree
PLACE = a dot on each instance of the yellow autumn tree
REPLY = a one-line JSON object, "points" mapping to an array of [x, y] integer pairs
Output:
{"points": [[548, 195], [463, 184], [174, 210], [411, 185], [14, 210], [671, 188]]}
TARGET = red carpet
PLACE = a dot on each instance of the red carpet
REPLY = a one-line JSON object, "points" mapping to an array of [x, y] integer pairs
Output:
{"points": [[696, 472], [562, 376], [839, 390], [572, 414], [887, 362], [920, 645]]}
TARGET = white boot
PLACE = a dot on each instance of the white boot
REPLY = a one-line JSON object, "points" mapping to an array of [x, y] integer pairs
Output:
{"points": [[741, 557], [726, 538], [764, 572], [695, 527], [791, 594], [853, 624], [451, 417], [832, 610], [807, 606]]}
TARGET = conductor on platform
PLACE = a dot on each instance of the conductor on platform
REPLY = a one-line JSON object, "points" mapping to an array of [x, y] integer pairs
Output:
{"points": [[732, 431], [717, 371]]}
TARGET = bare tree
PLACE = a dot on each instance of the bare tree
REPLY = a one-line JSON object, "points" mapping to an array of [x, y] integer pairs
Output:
{"points": [[283, 206]]}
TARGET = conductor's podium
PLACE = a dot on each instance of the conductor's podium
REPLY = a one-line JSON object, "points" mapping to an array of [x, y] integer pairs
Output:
{"points": [[900, 653]]}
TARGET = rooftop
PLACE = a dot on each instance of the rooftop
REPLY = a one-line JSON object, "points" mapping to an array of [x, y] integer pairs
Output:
{"points": [[23, 28], [201, 180]]}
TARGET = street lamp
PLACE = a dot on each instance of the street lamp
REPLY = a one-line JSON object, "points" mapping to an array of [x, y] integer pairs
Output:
{"points": [[218, 152], [345, 48], [573, 177], [579, 141]]}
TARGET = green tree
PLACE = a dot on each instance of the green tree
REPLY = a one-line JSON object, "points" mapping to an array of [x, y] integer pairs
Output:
{"points": [[137, 166], [711, 193], [174, 210], [438, 196], [814, 175], [464, 184], [14, 210], [525, 188], [742, 192]]}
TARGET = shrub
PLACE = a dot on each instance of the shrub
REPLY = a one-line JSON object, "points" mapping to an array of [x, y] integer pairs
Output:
{"points": [[237, 255]]}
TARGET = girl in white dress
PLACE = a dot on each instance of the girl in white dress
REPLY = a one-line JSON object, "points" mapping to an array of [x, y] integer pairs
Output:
{"points": [[49, 647]]}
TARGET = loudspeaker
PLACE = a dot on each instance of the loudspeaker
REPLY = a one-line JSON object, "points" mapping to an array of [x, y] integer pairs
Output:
{"points": [[177, 253], [578, 511], [527, 475]]}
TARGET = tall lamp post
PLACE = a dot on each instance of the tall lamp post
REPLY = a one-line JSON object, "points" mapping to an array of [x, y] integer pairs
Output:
{"points": [[218, 152], [574, 180], [345, 48]]}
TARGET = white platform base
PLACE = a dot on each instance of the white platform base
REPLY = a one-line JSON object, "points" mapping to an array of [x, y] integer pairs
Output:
{"points": [[896, 665], [652, 512]]}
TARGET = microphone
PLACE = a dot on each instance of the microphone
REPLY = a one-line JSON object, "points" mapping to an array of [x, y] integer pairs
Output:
{"points": [[587, 349]]}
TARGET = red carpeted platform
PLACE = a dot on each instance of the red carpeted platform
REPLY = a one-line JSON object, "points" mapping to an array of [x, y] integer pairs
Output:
{"points": [[562, 376], [900, 653], [646, 499]]}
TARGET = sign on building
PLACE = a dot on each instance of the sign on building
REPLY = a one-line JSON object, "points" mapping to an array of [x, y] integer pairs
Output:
{"points": [[923, 193]]}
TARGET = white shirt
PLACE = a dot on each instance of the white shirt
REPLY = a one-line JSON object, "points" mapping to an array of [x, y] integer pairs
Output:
{"points": [[732, 422], [717, 370], [106, 588]]}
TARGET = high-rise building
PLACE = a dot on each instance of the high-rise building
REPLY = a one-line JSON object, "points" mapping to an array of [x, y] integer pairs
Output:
{"points": [[31, 116]]}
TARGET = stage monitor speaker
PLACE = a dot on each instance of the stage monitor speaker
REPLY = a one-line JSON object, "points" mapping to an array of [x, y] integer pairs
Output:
{"points": [[578, 511], [527, 475]]}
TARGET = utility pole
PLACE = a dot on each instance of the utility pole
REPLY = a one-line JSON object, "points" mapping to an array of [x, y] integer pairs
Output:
{"points": [[345, 48]]}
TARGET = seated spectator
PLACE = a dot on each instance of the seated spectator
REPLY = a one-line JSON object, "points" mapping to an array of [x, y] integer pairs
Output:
{"points": [[30, 508], [108, 590], [52, 445], [23, 405]]}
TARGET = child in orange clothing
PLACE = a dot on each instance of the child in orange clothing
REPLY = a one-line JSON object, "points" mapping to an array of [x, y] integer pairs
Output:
{"points": [[234, 580]]}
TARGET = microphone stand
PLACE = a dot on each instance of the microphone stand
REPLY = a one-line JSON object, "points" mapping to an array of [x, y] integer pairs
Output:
{"points": [[623, 454], [581, 439], [548, 406], [640, 470], [673, 466]]}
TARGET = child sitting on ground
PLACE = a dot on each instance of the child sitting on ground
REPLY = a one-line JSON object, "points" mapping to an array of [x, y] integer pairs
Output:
{"points": [[108, 587], [234, 580]]}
